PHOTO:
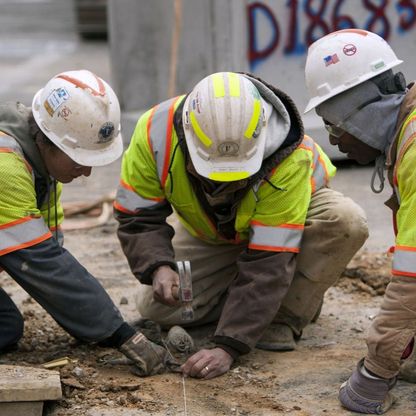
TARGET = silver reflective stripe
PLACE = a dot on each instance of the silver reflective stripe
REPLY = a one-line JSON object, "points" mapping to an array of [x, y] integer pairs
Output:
{"points": [[22, 233], [396, 190], [409, 131], [407, 135], [276, 237], [404, 261], [158, 131], [9, 142], [132, 201], [319, 173]]}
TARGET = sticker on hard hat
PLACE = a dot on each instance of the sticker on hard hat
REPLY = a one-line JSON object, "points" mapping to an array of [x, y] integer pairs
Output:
{"points": [[228, 149], [106, 132], [349, 49], [55, 99], [331, 59]]}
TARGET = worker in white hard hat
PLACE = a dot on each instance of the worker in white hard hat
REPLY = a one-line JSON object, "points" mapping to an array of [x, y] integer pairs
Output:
{"points": [[73, 125], [370, 114], [264, 234]]}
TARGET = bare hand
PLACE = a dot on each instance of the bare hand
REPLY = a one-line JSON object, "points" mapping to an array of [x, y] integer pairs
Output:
{"points": [[165, 286], [208, 364]]}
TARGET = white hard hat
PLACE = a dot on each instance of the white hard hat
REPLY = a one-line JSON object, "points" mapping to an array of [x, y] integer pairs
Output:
{"points": [[344, 59], [80, 114], [224, 126]]}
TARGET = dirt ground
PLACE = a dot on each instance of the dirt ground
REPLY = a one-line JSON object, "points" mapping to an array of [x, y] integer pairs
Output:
{"points": [[297, 383]]}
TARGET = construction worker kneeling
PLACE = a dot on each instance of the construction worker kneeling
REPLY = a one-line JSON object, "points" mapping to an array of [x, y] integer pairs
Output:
{"points": [[73, 125], [254, 215]]}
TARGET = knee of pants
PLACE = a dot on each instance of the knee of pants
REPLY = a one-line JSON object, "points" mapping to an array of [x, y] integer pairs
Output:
{"points": [[350, 222], [11, 329]]}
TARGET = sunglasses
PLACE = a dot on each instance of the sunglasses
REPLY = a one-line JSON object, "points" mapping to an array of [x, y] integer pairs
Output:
{"points": [[336, 130]]}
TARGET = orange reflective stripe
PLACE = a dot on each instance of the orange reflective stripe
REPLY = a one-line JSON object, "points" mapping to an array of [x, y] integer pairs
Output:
{"points": [[21, 233], [120, 208], [9, 145], [168, 141], [403, 144], [273, 248], [128, 200], [404, 261], [148, 127], [26, 244], [18, 221], [160, 136], [283, 237]]}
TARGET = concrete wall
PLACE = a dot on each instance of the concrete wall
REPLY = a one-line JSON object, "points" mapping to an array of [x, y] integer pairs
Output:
{"points": [[266, 37]]}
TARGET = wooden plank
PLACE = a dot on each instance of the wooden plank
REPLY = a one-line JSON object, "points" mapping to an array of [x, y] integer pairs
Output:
{"points": [[21, 408], [23, 384]]}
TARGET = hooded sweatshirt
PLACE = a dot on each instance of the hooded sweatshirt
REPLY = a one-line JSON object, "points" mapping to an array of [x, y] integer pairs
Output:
{"points": [[282, 185]]}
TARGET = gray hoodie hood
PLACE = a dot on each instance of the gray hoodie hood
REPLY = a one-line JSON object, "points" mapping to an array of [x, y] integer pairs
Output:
{"points": [[14, 122], [277, 117]]}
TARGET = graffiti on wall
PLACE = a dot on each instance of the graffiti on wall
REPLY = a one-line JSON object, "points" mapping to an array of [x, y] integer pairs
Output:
{"points": [[321, 17]]}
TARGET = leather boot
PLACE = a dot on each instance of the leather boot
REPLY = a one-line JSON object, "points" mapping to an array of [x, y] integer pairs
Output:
{"points": [[277, 337]]}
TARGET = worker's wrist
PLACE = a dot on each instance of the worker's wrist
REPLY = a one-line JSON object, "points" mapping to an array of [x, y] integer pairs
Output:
{"points": [[230, 350]]}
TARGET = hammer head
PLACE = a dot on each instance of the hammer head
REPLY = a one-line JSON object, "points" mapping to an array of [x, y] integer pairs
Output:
{"points": [[185, 290]]}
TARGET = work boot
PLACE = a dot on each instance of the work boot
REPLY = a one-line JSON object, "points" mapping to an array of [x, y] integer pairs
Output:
{"points": [[277, 337]]}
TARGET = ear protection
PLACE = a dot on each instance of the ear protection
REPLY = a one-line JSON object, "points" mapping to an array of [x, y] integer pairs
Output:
{"points": [[389, 83]]}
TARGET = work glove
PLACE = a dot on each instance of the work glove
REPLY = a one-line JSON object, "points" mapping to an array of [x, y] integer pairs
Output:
{"points": [[364, 394], [148, 358]]}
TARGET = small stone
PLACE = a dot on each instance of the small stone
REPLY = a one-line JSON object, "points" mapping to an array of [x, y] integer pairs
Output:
{"points": [[124, 301], [78, 371]]}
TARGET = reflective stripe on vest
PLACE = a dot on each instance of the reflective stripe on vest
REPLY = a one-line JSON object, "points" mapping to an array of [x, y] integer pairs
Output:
{"points": [[9, 145], [286, 237], [404, 261], [320, 175], [22, 233], [159, 134], [407, 135], [128, 201]]}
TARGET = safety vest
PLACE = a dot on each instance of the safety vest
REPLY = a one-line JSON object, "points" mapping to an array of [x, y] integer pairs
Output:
{"points": [[22, 222], [270, 216], [404, 183]]}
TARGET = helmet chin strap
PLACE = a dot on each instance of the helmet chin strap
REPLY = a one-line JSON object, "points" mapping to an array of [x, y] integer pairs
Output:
{"points": [[378, 171]]}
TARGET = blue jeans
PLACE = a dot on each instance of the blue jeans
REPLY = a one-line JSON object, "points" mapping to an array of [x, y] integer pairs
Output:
{"points": [[11, 322]]}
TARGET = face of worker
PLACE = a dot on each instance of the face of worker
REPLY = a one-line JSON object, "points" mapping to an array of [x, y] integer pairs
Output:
{"points": [[355, 149], [59, 165]]}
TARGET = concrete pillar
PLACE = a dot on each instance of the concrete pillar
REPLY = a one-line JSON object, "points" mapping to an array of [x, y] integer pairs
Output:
{"points": [[142, 34]]}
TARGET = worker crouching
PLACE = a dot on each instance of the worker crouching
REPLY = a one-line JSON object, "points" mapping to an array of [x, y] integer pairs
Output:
{"points": [[265, 235]]}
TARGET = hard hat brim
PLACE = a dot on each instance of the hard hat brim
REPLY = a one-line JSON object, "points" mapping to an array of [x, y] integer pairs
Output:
{"points": [[315, 101]]}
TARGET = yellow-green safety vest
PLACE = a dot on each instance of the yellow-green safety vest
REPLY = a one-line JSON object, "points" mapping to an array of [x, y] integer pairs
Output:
{"points": [[22, 223], [153, 172], [404, 183]]}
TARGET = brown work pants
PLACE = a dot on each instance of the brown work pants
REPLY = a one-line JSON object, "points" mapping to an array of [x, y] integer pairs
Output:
{"points": [[332, 221], [393, 328]]}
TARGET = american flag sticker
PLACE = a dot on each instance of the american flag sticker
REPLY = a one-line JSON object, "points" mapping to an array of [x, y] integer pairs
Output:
{"points": [[331, 59]]}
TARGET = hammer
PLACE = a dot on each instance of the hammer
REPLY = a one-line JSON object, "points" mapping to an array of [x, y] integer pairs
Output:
{"points": [[185, 290]]}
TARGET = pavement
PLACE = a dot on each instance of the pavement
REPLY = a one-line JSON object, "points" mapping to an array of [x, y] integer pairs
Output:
{"points": [[30, 54]]}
